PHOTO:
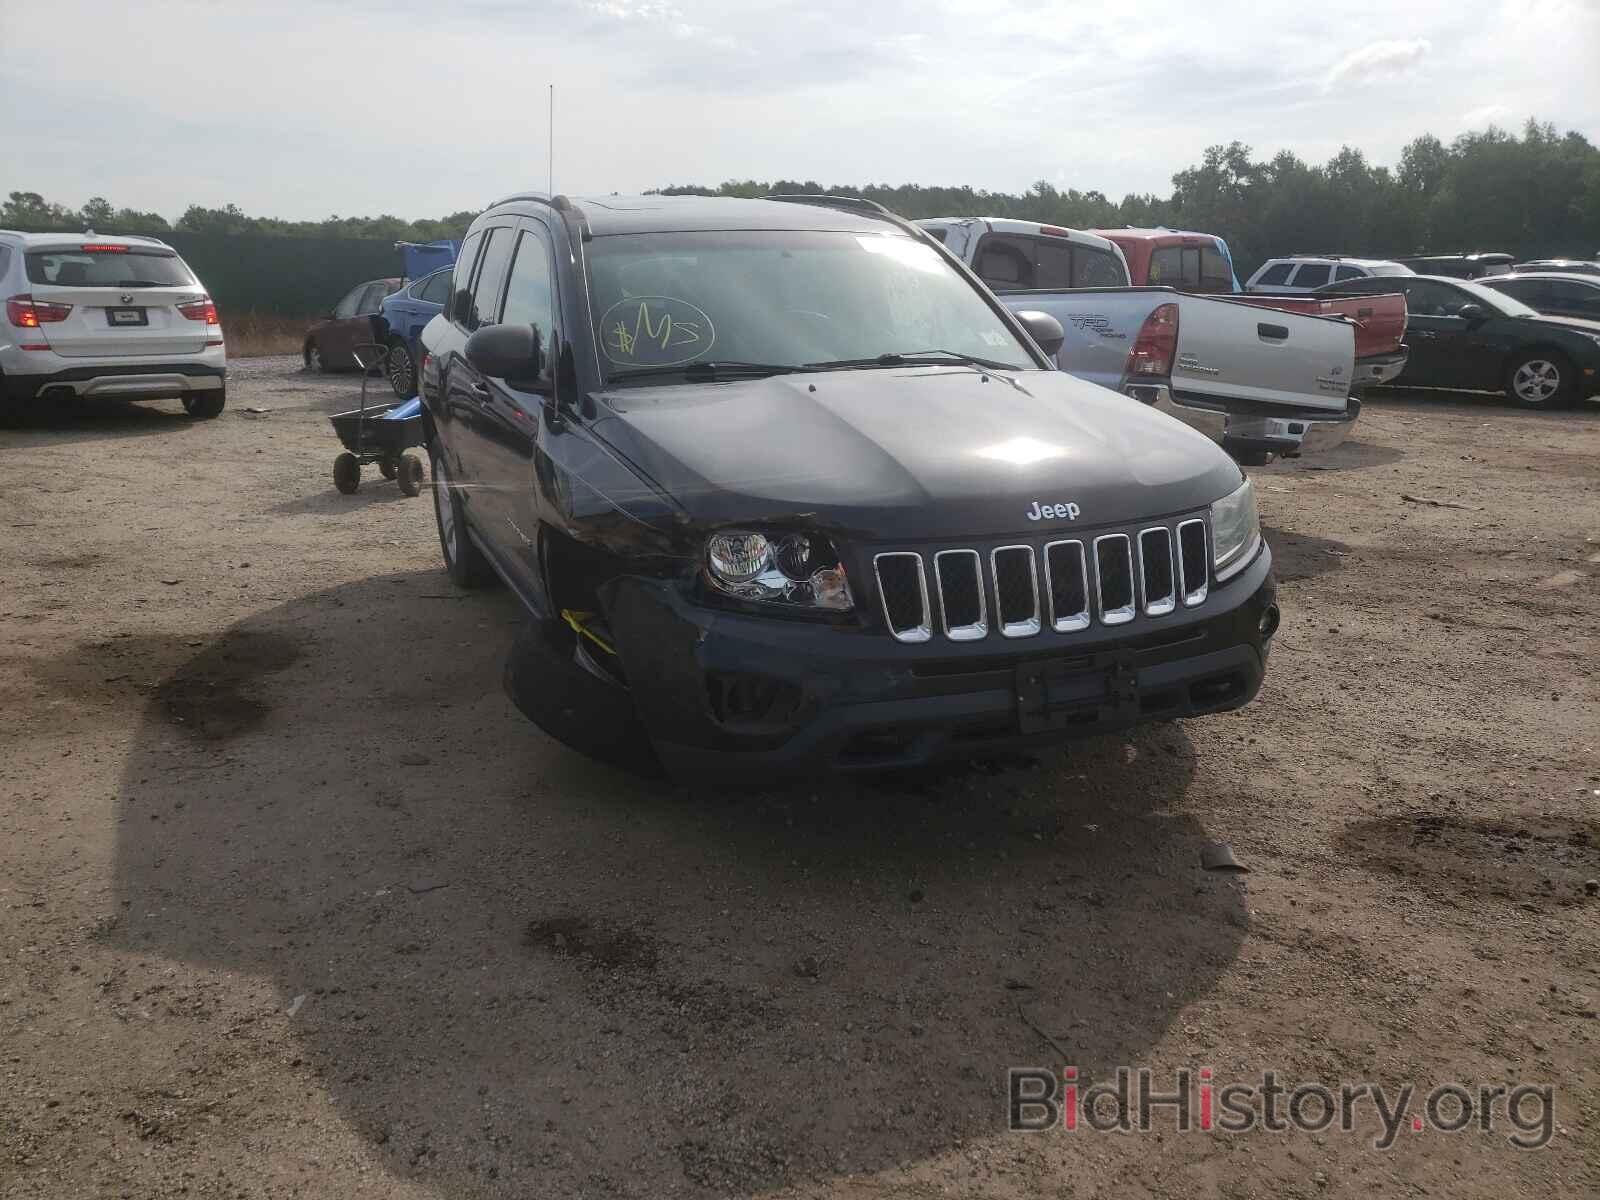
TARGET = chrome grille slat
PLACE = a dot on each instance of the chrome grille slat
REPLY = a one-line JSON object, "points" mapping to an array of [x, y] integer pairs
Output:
{"points": [[1066, 583], [1113, 565], [1194, 562], [1006, 590], [958, 576], [1158, 574], [903, 593]]}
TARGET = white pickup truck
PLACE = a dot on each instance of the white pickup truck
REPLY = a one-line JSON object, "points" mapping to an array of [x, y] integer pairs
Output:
{"points": [[1258, 381]]}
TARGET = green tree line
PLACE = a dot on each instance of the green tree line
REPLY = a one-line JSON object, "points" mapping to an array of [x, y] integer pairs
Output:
{"points": [[1534, 194]]}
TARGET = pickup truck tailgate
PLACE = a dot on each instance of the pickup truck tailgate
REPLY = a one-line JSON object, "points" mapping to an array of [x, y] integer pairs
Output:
{"points": [[1380, 320], [1228, 351]]}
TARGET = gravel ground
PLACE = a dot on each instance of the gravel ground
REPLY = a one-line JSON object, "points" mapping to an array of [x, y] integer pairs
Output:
{"points": [[295, 903]]}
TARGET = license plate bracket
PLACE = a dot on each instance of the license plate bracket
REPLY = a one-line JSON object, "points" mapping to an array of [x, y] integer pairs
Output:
{"points": [[122, 318], [1088, 689]]}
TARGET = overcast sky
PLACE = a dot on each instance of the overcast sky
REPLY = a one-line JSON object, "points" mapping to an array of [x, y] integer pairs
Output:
{"points": [[423, 107]]}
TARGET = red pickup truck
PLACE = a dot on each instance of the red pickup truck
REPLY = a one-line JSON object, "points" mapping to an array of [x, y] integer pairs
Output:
{"points": [[1200, 262]]}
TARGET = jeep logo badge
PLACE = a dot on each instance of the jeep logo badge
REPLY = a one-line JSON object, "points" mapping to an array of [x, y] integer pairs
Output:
{"points": [[1040, 512]]}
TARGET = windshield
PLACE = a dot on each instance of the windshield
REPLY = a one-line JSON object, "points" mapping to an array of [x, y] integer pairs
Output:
{"points": [[1495, 301], [782, 297], [106, 268]]}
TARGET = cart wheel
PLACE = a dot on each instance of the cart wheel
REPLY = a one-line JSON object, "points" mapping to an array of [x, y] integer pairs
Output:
{"points": [[389, 467], [347, 473], [410, 475]]}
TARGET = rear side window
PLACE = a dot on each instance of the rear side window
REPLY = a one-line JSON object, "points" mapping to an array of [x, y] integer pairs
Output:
{"points": [[435, 288], [1340, 274], [1166, 267], [1311, 275], [1275, 275], [372, 299], [1529, 291], [107, 268], [1215, 273], [491, 274], [1006, 262], [1575, 297], [1096, 268], [5, 259], [351, 303]]}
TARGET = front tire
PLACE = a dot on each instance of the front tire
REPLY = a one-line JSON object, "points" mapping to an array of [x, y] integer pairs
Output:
{"points": [[463, 561], [400, 368], [205, 405], [1541, 379]]}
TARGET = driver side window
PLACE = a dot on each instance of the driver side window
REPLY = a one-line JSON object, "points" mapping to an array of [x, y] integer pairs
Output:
{"points": [[1429, 298]]}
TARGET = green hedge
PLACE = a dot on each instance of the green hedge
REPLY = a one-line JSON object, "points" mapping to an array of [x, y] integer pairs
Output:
{"points": [[285, 276]]}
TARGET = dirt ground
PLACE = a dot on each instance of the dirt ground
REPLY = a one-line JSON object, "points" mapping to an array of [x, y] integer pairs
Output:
{"points": [[296, 904]]}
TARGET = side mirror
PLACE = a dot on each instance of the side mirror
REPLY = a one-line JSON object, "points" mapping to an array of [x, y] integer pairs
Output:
{"points": [[1043, 329], [511, 352], [1472, 312]]}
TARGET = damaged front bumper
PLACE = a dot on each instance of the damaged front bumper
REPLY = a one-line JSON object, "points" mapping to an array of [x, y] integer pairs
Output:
{"points": [[730, 695]]}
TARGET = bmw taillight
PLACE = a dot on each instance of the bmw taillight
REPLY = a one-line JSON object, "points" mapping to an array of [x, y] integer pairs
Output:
{"points": [[1157, 343], [27, 313], [203, 309]]}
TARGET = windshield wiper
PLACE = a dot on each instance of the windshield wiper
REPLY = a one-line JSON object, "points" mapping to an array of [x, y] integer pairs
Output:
{"points": [[143, 283], [914, 358], [710, 369]]}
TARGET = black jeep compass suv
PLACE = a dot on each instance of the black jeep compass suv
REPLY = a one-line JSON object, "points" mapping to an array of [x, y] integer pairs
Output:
{"points": [[782, 485]]}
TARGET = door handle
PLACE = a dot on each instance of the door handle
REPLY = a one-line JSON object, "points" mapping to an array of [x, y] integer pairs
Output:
{"points": [[479, 391], [1276, 333]]}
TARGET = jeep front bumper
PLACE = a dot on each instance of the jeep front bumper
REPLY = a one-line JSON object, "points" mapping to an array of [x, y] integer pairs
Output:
{"points": [[734, 696]]}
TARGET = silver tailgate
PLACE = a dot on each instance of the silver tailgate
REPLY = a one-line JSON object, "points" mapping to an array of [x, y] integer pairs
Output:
{"points": [[1229, 351]]}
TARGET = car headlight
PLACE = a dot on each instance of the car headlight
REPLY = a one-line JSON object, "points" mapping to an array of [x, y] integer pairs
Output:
{"points": [[796, 569], [1235, 531]]}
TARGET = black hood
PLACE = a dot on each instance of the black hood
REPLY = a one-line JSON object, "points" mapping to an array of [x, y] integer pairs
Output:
{"points": [[913, 452]]}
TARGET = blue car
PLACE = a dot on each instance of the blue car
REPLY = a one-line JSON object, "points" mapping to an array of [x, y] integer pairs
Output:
{"points": [[405, 313]]}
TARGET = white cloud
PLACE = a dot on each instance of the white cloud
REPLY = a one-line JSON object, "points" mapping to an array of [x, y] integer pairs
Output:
{"points": [[1377, 60], [1477, 118]]}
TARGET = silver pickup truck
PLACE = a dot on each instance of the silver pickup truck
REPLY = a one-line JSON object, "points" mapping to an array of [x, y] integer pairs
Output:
{"points": [[1260, 382]]}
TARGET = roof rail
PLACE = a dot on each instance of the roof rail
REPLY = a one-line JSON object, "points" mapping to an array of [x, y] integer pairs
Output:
{"points": [[558, 201], [856, 203]]}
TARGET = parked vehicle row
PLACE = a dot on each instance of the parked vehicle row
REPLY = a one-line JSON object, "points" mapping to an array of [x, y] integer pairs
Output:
{"points": [[1466, 334], [91, 315], [1259, 387]]}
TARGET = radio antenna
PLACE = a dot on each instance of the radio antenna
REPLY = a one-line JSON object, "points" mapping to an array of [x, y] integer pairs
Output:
{"points": [[551, 148]]}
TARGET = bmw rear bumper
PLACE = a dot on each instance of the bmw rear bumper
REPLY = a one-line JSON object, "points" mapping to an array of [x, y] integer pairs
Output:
{"points": [[141, 381]]}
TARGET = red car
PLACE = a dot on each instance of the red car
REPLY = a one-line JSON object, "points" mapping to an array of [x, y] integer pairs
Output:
{"points": [[356, 320]]}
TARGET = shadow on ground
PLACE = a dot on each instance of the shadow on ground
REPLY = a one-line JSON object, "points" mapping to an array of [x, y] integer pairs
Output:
{"points": [[520, 968], [1349, 456], [1303, 555], [54, 423]]}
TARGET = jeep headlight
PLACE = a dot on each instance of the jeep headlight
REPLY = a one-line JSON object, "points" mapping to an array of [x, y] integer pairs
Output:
{"points": [[798, 569], [1235, 531]]}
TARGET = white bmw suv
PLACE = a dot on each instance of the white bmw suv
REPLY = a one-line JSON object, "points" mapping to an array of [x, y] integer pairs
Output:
{"points": [[116, 317]]}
